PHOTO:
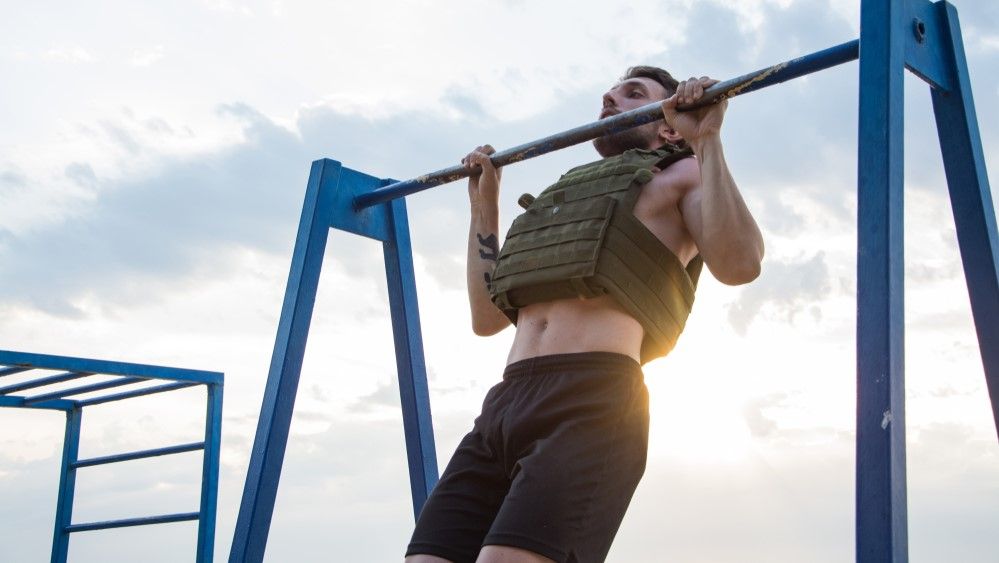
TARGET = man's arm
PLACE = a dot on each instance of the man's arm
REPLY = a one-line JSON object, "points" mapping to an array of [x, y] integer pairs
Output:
{"points": [[483, 242], [724, 230]]}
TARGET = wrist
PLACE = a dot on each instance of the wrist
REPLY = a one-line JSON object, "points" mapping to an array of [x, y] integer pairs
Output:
{"points": [[706, 143]]}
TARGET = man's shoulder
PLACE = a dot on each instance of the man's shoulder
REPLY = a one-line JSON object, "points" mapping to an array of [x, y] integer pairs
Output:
{"points": [[684, 174]]}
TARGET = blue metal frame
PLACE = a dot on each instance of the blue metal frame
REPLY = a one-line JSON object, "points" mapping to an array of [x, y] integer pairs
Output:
{"points": [[124, 374], [921, 36], [328, 204], [880, 492]]}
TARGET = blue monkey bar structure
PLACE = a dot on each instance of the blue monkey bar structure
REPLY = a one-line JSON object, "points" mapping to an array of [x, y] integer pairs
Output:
{"points": [[921, 36], [37, 372]]}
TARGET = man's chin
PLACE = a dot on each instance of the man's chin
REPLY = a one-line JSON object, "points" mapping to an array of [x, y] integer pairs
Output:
{"points": [[613, 145]]}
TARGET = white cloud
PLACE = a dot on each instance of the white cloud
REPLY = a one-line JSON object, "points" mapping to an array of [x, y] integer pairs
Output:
{"points": [[74, 54], [146, 57]]}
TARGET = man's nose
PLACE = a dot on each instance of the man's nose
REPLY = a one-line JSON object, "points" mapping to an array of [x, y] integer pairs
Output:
{"points": [[608, 99]]}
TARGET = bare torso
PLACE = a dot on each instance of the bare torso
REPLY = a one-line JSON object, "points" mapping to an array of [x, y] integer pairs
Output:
{"points": [[601, 324]]}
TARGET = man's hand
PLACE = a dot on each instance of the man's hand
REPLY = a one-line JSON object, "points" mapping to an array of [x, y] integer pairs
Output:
{"points": [[482, 188], [698, 124], [483, 241]]}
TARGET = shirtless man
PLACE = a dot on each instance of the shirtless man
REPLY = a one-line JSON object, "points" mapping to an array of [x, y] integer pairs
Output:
{"points": [[551, 464]]}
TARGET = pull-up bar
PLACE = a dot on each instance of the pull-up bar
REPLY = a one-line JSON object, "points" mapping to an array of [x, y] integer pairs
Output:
{"points": [[769, 76]]}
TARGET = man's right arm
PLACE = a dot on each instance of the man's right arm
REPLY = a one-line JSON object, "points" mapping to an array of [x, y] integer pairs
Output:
{"points": [[483, 242]]}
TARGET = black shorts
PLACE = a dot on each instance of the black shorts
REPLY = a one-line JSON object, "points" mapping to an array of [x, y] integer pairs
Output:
{"points": [[549, 466]]}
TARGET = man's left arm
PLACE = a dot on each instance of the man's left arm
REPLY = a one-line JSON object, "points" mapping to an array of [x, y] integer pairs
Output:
{"points": [[714, 211]]}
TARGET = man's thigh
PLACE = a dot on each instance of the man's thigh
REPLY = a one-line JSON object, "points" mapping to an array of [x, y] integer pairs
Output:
{"points": [[504, 554], [490, 554], [573, 486]]}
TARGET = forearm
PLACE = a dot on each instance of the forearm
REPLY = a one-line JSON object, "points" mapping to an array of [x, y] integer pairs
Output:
{"points": [[730, 241], [483, 250]]}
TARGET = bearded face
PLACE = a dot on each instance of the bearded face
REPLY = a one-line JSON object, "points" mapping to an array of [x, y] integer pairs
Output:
{"points": [[642, 137]]}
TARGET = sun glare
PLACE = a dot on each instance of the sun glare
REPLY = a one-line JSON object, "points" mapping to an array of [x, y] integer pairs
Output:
{"points": [[694, 421]]}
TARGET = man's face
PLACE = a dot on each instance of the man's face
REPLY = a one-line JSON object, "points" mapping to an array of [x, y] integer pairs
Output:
{"points": [[624, 96]]}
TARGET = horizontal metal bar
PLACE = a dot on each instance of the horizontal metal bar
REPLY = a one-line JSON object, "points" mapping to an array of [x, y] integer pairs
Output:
{"points": [[55, 404], [182, 448], [45, 361], [51, 380], [769, 76], [84, 389], [137, 393], [126, 522], [12, 371]]}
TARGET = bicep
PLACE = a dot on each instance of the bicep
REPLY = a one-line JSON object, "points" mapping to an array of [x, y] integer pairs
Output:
{"points": [[692, 213]]}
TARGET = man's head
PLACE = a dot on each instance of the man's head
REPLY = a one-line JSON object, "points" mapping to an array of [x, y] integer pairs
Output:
{"points": [[640, 85]]}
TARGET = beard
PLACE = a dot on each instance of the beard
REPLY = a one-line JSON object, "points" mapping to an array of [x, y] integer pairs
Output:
{"points": [[642, 137]]}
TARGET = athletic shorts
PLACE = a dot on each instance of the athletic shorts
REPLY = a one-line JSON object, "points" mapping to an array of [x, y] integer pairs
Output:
{"points": [[549, 466]]}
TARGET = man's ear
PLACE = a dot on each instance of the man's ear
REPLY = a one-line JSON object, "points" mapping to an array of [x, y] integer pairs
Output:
{"points": [[668, 134]]}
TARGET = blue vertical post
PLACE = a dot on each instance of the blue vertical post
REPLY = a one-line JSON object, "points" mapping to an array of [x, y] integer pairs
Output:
{"points": [[410, 362], [271, 440], [67, 485], [971, 199], [881, 534], [210, 473]]}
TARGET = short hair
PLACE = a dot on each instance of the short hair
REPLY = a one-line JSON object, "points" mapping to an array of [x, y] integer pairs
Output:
{"points": [[654, 73]]}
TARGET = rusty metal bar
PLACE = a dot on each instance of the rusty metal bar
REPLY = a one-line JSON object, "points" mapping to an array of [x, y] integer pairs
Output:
{"points": [[769, 76]]}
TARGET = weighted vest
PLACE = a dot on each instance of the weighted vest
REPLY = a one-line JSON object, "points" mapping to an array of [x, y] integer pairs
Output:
{"points": [[580, 238]]}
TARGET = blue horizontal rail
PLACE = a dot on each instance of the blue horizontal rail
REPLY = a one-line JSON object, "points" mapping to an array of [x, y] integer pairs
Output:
{"points": [[127, 522], [782, 72], [156, 452], [119, 382], [18, 360], [55, 404], [137, 393], [51, 380], [12, 371]]}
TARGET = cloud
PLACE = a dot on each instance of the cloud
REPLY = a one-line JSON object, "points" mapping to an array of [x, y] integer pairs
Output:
{"points": [[146, 57], [786, 289], [75, 54], [179, 217], [761, 426]]}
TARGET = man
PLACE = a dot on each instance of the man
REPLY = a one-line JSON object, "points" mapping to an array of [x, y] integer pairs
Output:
{"points": [[598, 276]]}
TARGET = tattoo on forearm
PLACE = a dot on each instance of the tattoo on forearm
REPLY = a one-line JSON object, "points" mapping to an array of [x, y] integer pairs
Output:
{"points": [[491, 244], [488, 278]]}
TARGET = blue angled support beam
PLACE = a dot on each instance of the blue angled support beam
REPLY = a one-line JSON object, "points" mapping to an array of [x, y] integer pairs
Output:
{"points": [[329, 204], [923, 37], [970, 196]]}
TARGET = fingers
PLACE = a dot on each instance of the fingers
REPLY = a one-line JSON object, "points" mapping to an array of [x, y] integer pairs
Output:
{"points": [[692, 89], [479, 157]]}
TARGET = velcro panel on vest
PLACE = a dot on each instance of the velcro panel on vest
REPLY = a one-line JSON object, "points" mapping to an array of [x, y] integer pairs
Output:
{"points": [[534, 256], [592, 175]]}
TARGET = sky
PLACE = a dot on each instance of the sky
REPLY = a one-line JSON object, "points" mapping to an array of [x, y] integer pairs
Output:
{"points": [[153, 162]]}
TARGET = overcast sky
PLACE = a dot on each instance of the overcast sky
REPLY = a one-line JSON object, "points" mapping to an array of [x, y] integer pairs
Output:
{"points": [[153, 161]]}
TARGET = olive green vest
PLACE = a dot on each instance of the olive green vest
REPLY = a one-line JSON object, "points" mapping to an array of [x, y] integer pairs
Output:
{"points": [[580, 238]]}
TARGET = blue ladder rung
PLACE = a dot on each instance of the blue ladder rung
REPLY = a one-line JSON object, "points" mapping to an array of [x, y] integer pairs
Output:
{"points": [[126, 522], [85, 389], [12, 371], [194, 446], [136, 393], [51, 380]]}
